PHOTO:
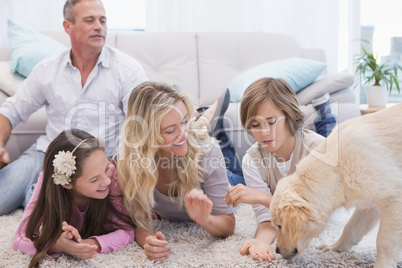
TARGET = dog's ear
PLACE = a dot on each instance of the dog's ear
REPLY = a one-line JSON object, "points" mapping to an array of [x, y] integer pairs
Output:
{"points": [[295, 216]]}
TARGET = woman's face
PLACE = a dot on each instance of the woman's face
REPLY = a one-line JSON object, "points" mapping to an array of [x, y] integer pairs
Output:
{"points": [[174, 130], [269, 129]]}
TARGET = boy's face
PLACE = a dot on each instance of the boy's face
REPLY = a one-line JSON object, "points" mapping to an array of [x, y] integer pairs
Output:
{"points": [[269, 129]]}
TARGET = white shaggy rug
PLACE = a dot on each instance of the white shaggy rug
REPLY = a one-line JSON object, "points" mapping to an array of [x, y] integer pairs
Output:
{"points": [[194, 247]]}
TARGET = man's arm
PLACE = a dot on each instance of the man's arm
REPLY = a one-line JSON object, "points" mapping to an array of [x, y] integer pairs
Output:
{"points": [[5, 132]]}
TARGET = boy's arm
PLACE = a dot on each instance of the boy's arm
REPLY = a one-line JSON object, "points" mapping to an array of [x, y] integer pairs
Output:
{"points": [[260, 246]]}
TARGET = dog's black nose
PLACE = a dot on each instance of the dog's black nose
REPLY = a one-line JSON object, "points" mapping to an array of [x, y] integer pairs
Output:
{"points": [[295, 250], [277, 250]]}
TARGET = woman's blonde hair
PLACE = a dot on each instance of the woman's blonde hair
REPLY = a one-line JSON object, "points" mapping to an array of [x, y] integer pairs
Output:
{"points": [[279, 93], [140, 142]]}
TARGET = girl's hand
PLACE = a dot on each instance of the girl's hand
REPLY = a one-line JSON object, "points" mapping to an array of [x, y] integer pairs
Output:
{"points": [[243, 194], [258, 249], [72, 233], [198, 206], [156, 247], [70, 242]]}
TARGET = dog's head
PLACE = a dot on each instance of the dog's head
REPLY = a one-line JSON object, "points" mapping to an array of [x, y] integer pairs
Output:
{"points": [[297, 220]]}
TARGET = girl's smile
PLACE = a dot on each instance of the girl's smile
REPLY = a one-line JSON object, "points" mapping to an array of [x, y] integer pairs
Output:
{"points": [[106, 189], [94, 181]]}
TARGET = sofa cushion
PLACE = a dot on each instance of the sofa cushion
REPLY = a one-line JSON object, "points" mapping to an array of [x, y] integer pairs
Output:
{"points": [[325, 84], [166, 57], [9, 81], [29, 47], [298, 72], [223, 56]]}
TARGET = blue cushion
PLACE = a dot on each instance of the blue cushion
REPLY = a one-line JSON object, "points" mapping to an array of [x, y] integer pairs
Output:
{"points": [[28, 47], [297, 72]]}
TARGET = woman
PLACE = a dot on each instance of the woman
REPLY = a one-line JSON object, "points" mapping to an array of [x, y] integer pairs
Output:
{"points": [[170, 167]]}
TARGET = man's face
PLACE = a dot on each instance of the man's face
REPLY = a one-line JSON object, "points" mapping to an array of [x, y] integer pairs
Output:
{"points": [[89, 30]]}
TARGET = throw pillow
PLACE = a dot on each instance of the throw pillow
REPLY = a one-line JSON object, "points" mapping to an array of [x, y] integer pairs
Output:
{"points": [[325, 84], [28, 47], [9, 82], [298, 72]]}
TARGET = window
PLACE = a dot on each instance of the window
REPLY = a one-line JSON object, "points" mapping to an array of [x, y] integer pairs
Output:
{"points": [[125, 14], [381, 25]]}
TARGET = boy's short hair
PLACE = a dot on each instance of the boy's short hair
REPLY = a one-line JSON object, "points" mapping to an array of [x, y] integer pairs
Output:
{"points": [[280, 93]]}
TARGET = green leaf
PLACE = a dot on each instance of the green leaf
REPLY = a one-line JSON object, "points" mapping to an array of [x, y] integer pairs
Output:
{"points": [[368, 70]]}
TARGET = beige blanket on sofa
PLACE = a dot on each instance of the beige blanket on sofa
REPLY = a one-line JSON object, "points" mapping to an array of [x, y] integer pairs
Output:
{"points": [[193, 247]]}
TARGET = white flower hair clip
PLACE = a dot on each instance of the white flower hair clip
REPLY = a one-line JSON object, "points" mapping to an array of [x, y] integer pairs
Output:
{"points": [[64, 166]]}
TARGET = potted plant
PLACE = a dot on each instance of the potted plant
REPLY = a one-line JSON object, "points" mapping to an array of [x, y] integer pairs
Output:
{"points": [[381, 77]]}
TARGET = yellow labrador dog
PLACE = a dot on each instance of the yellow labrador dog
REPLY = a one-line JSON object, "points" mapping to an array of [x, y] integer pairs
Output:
{"points": [[359, 165]]}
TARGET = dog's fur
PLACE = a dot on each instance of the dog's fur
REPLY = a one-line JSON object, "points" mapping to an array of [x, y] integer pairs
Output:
{"points": [[359, 165]]}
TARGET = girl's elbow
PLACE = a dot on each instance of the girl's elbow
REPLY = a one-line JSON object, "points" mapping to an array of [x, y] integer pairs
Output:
{"points": [[15, 245]]}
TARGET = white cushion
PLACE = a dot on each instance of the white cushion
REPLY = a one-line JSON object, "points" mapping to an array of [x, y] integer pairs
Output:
{"points": [[9, 81], [325, 84], [166, 57], [223, 56], [297, 72], [343, 95]]}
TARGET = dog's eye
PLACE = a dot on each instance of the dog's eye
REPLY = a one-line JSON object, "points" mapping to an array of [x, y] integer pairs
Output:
{"points": [[279, 227]]}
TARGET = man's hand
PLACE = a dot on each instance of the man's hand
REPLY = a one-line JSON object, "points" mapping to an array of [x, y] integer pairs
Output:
{"points": [[4, 156]]}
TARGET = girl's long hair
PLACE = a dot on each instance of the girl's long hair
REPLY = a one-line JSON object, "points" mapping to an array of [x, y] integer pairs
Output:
{"points": [[55, 203], [140, 142]]}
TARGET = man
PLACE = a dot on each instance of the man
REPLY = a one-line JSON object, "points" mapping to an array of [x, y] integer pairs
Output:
{"points": [[86, 88]]}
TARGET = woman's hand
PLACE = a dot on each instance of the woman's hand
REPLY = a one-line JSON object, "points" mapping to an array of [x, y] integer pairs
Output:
{"points": [[70, 242], [258, 249], [156, 247], [198, 206], [243, 194]]}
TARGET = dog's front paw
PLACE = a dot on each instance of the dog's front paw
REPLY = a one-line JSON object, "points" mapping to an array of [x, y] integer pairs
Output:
{"points": [[333, 247], [324, 247]]}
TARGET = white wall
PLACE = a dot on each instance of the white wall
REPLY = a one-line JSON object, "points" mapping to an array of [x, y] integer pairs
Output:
{"points": [[313, 23], [43, 15]]}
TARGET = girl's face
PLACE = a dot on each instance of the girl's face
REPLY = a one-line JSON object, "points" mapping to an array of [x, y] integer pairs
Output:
{"points": [[95, 179], [174, 130], [269, 128]]}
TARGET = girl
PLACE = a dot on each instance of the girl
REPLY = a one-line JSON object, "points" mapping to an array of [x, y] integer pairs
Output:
{"points": [[76, 207], [167, 166], [269, 111]]}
